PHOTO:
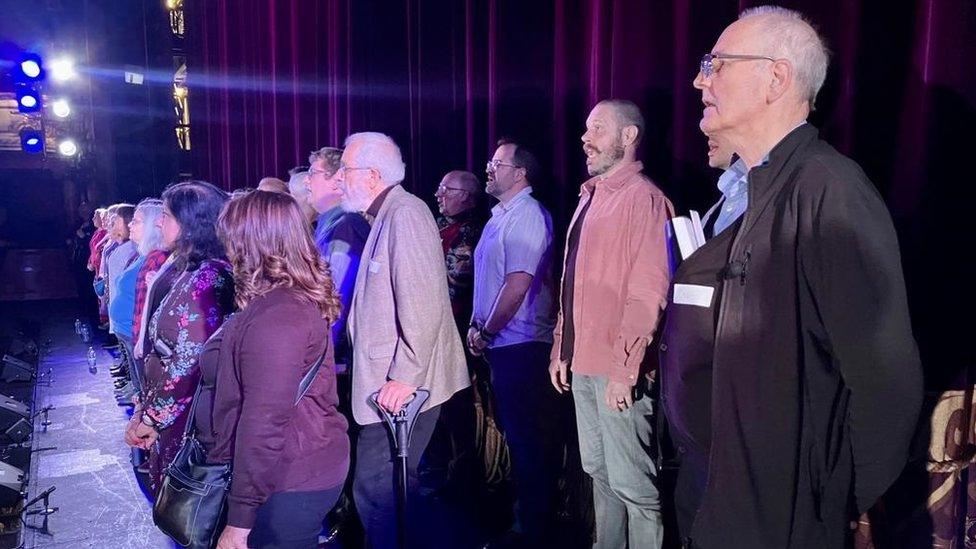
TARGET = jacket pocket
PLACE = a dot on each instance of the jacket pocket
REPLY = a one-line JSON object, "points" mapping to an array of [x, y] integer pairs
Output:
{"points": [[382, 350]]}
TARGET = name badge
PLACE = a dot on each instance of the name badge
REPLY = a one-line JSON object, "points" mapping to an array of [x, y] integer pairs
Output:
{"points": [[693, 294], [374, 266]]}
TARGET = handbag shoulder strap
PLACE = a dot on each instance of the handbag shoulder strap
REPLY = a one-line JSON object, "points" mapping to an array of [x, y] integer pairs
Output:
{"points": [[307, 379], [190, 423]]}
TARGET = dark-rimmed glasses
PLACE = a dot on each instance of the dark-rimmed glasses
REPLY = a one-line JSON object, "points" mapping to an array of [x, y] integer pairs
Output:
{"points": [[709, 67], [492, 165]]}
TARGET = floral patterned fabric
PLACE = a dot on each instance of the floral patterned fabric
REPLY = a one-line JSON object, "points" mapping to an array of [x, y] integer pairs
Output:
{"points": [[195, 307], [459, 236]]}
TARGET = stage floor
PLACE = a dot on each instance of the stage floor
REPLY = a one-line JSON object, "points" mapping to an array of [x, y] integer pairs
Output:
{"points": [[101, 504]]}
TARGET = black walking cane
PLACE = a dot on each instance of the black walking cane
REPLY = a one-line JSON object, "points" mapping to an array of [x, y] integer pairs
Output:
{"points": [[401, 426]]}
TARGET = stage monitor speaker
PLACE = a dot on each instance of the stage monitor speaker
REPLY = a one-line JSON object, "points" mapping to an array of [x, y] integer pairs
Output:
{"points": [[12, 482], [15, 424], [14, 369]]}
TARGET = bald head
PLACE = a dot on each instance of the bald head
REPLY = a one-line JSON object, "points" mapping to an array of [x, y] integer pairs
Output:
{"points": [[463, 180], [627, 114], [458, 192]]}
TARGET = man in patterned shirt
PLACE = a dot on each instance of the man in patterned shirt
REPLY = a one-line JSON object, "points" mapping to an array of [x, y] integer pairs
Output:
{"points": [[460, 226]]}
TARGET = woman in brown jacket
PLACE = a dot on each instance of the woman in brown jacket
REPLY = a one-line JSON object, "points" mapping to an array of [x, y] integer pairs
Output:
{"points": [[264, 406]]}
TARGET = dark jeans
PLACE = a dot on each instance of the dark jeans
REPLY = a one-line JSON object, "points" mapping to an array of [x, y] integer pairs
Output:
{"points": [[374, 485], [292, 520], [534, 419]]}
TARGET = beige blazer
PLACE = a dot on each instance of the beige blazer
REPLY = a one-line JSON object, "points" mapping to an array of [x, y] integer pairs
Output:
{"points": [[400, 320]]}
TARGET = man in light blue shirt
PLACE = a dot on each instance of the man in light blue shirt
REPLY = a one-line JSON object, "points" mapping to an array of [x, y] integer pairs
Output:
{"points": [[511, 325]]}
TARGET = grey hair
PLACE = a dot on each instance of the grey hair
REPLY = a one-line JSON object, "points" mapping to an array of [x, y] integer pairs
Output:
{"points": [[467, 180], [296, 183], [152, 237], [793, 37], [628, 114], [328, 155], [380, 152]]}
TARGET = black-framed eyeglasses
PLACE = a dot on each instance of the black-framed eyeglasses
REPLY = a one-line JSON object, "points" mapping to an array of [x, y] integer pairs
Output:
{"points": [[492, 165], [709, 67]]}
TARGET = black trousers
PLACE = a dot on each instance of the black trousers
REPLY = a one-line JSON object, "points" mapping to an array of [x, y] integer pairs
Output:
{"points": [[374, 485], [534, 420], [292, 520]]}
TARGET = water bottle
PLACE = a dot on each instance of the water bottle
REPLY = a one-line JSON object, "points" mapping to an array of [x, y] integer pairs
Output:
{"points": [[92, 368], [78, 326], [85, 332]]}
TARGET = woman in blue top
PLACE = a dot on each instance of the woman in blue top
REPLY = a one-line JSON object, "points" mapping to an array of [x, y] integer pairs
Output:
{"points": [[147, 237]]}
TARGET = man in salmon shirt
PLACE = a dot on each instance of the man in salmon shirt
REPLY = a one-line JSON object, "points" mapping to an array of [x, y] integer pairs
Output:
{"points": [[614, 287]]}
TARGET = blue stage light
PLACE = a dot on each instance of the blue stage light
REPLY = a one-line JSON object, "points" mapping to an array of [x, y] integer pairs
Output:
{"points": [[28, 99], [31, 141], [29, 69]]}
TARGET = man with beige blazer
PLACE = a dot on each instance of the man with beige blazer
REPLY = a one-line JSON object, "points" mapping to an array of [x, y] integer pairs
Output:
{"points": [[401, 326]]}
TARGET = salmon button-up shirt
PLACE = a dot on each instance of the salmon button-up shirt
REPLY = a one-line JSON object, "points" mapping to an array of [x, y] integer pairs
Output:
{"points": [[621, 274]]}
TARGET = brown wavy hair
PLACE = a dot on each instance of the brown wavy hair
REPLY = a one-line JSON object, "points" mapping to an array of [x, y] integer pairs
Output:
{"points": [[269, 245]]}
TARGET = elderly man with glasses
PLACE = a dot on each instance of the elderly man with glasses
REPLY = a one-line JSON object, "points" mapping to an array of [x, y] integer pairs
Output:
{"points": [[402, 330], [790, 377], [460, 225]]}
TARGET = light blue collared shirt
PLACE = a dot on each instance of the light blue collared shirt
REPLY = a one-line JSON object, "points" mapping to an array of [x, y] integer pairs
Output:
{"points": [[734, 185], [517, 238]]}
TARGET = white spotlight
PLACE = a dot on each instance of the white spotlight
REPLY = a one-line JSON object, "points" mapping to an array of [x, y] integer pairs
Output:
{"points": [[28, 101], [30, 68], [62, 69], [61, 108], [67, 148]]}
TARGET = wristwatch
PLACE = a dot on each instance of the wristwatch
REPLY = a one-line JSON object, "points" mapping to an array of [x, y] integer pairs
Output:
{"points": [[485, 335]]}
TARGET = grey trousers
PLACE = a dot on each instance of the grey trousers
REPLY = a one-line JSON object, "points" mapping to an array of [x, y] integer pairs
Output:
{"points": [[615, 448]]}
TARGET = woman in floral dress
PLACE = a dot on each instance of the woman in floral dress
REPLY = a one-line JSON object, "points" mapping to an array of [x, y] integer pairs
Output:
{"points": [[200, 297]]}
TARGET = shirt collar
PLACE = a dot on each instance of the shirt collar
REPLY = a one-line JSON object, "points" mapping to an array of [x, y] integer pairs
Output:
{"points": [[615, 180], [374, 208], [503, 207], [731, 180]]}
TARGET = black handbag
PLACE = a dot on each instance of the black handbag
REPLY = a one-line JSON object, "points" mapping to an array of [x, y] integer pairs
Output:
{"points": [[192, 500]]}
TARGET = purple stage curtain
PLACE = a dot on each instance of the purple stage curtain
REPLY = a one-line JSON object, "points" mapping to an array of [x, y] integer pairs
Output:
{"points": [[270, 80]]}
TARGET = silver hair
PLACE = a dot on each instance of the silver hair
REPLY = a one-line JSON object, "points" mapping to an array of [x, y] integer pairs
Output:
{"points": [[296, 183], [152, 237], [793, 37], [380, 152]]}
